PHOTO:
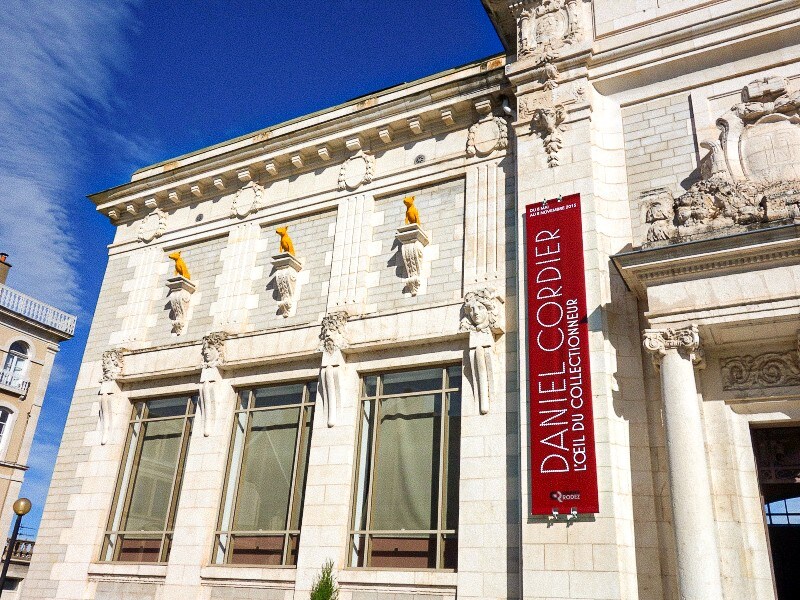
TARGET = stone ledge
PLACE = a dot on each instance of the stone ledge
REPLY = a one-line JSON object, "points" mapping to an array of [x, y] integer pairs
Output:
{"points": [[127, 571], [249, 576]]}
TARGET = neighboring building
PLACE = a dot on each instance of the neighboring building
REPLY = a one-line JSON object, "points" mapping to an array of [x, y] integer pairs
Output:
{"points": [[30, 332], [369, 398]]}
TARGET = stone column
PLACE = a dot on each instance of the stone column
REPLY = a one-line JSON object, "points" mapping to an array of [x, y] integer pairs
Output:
{"points": [[676, 352]]}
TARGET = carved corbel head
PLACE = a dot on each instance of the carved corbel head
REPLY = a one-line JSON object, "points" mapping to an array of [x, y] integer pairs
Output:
{"points": [[213, 350], [332, 334], [113, 363], [482, 311]]}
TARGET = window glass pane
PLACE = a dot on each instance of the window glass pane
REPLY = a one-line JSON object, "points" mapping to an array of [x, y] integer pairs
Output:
{"points": [[412, 381], [302, 468], [266, 476], [370, 386], [450, 493], [793, 505], [155, 472], [364, 466], [406, 477], [278, 396], [20, 348], [454, 377], [166, 407]]}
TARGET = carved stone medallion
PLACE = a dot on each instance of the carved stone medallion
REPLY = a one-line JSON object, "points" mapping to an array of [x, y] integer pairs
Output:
{"points": [[486, 136], [152, 226], [356, 171], [248, 200]]}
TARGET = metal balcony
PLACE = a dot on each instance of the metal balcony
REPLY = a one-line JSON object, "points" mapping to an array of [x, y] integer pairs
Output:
{"points": [[8, 380], [37, 311]]}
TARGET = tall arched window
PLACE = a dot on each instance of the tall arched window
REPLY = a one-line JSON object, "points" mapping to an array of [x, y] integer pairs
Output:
{"points": [[16, 367]]}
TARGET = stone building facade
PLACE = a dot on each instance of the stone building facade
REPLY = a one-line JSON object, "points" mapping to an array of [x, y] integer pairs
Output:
{"points": [[30, 334], [225, 436]]}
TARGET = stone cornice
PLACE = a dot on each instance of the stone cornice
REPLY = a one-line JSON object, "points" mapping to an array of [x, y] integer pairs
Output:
{"points": [[729, 254], [269, 152]]}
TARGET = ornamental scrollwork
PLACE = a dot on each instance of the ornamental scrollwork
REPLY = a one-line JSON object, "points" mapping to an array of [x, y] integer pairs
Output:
{"points": [[686, 340], [771, 369]]}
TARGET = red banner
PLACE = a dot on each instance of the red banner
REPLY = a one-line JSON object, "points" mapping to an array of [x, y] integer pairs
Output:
{"points": [[563, 467]]}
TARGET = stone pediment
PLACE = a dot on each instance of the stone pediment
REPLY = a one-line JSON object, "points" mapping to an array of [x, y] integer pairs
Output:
{"points": [[750, 176]]}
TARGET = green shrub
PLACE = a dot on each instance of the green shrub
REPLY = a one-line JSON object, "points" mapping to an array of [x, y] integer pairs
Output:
{"points": [[325, 587]]}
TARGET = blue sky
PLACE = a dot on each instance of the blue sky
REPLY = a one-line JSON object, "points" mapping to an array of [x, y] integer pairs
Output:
{"points": [[91, 90]]}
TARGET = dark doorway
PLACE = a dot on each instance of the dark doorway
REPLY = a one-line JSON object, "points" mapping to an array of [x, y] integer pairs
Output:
{"points": [[778, 459]]}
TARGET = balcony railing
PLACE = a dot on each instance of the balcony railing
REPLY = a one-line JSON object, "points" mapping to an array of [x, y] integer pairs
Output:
{"points": [[36, 310], [10, 379], [21, 551]]}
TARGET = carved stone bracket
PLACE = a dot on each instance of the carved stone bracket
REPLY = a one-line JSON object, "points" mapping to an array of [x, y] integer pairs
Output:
{"points": [[482, 318], [412, 240], [287, 282], [113, 363], [686, 340], [331, 375], [179, 296], [213, 352], [248, 200]]}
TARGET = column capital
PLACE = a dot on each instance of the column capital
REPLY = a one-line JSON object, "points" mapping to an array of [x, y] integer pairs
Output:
{"points": [[686, 340]]}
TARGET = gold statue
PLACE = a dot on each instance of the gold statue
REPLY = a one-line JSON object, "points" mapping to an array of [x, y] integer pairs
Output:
{"points": [[180, 265], [412, 214], [286, 241]]}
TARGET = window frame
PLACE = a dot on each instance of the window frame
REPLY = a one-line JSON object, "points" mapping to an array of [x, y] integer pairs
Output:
{"points": [[305, 430], [441, 532], [7, 428], [18, 363], [127, 476]]}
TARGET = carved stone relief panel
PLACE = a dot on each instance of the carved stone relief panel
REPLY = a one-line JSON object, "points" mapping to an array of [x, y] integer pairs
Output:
{"points": [[750, 176], [767, 370], [547, 27]]}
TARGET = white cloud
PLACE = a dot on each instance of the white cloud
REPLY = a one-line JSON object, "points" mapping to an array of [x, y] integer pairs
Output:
{"points": [[58, 61]]}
